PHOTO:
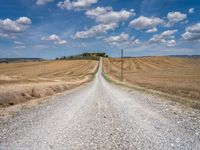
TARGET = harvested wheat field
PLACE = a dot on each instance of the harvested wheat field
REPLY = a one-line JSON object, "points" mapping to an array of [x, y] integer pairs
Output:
{"points": [[172, 75], [20, 82]]}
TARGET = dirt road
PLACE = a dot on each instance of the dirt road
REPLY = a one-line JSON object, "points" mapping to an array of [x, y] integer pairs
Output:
{"points": [[101, 116]]}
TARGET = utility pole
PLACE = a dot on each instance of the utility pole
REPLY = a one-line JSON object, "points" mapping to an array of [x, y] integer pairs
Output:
{"points": [[110, 65], [122, 66]]}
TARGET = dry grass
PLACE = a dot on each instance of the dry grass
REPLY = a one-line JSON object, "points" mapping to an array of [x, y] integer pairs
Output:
{"points": [[20, 82], [68, 70], [175, 76]]}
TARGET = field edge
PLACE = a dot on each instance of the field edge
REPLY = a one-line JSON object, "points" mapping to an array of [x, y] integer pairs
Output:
{"points": [[180, 100]]}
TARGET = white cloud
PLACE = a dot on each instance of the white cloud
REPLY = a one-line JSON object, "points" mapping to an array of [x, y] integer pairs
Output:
{"points": [[175, 17], [165, 37], [83, 45], [43, 2], [23, 20], [108, 15], [77, 5], [4, 35], [168, 33], [18, 25], [122, 39], [191, 11], [154, 29], [194, 28], [192, 33], [145, 22], [184, 22], [40, 46], [163, 49], [135, 42], [8, 25], [19, 45], [117, 39], [95, 30], [171, 43], [10, 28], [54, 38]]}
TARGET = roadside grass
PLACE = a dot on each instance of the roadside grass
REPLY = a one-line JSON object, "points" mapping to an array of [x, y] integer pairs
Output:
{"points": [[181, 100]]}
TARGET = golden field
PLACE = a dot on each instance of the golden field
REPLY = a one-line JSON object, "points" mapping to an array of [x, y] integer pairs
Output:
{"points": [[23, 81], [172, 75]]}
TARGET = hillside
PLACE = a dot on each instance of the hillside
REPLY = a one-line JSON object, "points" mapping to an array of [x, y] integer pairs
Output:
{"points": [[9, 60], [88, 56]]}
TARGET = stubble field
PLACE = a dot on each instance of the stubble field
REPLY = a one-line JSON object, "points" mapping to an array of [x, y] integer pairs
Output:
{"points": [[171, 75], [23, 81]]}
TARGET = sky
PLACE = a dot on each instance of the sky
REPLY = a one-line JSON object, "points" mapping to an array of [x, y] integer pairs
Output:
{"points": [[54, 28]]}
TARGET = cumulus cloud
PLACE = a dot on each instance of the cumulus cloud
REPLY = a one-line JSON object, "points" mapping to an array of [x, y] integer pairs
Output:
{"points": [[18, 25], [108, 15], [122, 39], [76, 5], [24, 20], [175, 17], [168, 33], [145, 22], [10, 28], [154, 29], [117, 39], [165, 37], [171, 43], [8, 25], [95, 30], [54, 38], [191, 11], [135, 41], [192, 33], [43, 2]]}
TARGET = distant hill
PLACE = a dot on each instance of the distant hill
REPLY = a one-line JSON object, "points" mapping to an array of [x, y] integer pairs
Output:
{"points": [[179, 56], [94, 56], [186, 56], [9, 60]]}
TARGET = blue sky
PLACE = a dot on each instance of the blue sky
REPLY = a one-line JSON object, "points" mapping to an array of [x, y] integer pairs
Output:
{"points": [[52, 28]]}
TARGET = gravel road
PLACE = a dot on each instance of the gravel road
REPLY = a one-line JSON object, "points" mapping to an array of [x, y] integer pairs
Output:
{"points": [[101, 115]]}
